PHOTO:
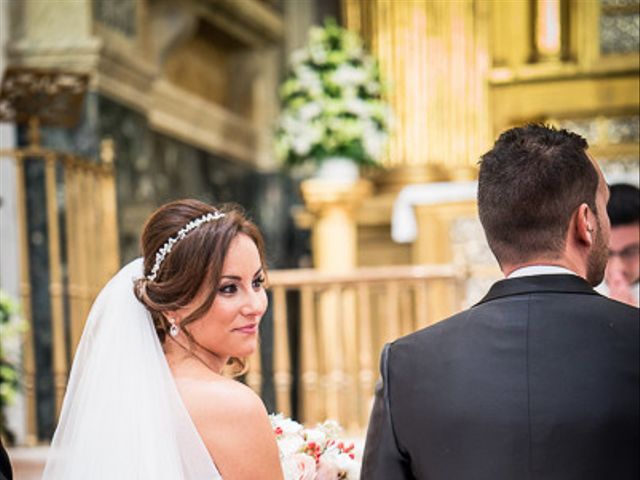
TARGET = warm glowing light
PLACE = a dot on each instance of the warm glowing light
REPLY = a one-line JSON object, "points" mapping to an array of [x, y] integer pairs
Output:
{"points": [[548, 27]]}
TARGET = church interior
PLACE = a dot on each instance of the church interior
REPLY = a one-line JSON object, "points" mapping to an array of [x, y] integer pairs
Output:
{"points": [[110, 108]]}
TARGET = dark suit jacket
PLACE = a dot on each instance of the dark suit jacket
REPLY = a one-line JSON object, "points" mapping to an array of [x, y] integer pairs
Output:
{"points": [[537, 381]]}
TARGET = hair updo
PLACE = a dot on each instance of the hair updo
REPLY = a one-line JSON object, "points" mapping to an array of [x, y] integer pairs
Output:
{"points": [[194, 263]]}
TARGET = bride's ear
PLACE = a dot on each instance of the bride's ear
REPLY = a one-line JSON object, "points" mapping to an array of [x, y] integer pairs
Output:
{"points": [[172, 317]]}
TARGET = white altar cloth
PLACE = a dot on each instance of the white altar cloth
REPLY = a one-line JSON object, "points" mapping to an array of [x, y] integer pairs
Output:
{"points": [[404, 226]]}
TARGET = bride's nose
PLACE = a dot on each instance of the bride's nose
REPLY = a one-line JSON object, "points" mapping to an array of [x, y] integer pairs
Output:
{"points": [[255, 303]]}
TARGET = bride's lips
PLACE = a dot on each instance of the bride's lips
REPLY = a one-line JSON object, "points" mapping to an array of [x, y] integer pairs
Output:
{"points": [[248, 329]]}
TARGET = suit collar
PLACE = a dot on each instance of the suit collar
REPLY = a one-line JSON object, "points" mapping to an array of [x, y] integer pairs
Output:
{"points": [[538, 284]]}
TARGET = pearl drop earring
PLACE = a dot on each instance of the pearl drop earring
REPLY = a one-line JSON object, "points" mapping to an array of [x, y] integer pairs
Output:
{"points": [[173, 329]]}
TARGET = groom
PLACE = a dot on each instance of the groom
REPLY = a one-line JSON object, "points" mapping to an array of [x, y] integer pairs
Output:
{"points": [[539, 380]]}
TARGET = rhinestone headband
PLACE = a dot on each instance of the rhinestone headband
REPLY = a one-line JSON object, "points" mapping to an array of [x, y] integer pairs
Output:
{"points": [[168, 245]]}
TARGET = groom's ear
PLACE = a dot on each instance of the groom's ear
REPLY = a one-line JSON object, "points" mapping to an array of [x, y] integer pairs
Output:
{"points": [[584, 224]]}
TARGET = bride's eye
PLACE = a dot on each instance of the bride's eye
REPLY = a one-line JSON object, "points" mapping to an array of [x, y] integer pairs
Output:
{"points": [[259, 282], [228, 289]]}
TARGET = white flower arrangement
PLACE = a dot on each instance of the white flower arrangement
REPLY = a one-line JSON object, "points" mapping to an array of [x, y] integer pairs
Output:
{"points": [[314, 453], [332, 101]]}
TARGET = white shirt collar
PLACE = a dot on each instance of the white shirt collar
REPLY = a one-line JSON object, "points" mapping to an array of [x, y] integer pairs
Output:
{"points": [[540, 270]]}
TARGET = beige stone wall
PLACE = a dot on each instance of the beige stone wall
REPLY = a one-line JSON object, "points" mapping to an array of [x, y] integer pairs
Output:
{"points": [[198, 70]]}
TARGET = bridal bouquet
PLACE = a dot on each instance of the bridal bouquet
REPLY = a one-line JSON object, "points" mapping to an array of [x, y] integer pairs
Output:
{"points": [[314, 453]]}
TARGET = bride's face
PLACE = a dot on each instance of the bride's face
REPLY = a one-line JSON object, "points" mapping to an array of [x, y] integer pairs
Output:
{"points": [[230, 327]]}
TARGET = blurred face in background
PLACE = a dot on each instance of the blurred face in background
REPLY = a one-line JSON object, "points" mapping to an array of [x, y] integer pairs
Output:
{"points": [[624, 253]]}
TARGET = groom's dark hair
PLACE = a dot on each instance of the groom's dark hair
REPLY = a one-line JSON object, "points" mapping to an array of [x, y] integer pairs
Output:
{"points": [[529, 185]]}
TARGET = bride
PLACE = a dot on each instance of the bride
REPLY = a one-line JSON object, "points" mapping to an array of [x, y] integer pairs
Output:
{"points": [[147, 397]]}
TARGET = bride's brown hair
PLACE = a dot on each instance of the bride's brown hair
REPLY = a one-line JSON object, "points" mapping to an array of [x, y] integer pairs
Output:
{"points": [[194, 263]]}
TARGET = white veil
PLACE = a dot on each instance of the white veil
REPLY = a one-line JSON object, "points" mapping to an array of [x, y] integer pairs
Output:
{"points": [[122, 416]]}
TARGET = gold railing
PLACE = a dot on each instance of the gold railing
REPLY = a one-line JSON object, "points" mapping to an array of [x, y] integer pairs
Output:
{"points": [[82, 252], [343, 321]]}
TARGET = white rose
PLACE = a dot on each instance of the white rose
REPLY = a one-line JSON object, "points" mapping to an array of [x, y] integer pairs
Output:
{"points": [[333, 463], [316, 436], [372, 87], [331, 428], [318, 54], [310, 110], [347, 74], [290, 444], [301, 146], [299, 467], [285, 424], [357, 107], [348, 465], [309, 79], [289, 426]]}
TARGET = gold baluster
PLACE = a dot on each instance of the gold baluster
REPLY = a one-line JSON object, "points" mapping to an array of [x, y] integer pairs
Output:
{"points": [[331, 338], [422, 312], [73, 222], [350, 366], [281, 364], [59, 354], [406, 311], [308, 358], [97, 230], [88, 246], [392, 322], [108, 205], [365, 354], [254, 374], [82, 254], [95, 264]]}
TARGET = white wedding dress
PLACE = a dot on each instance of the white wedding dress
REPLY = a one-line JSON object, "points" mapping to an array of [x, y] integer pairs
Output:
{"points": [[122, 416]]}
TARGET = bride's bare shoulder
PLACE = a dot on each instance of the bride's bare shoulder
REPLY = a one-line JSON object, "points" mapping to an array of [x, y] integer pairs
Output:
{"points": [[218, 395], [230, 417]]}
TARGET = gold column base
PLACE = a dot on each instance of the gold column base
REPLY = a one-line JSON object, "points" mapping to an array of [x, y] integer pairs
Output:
{"points": [[395, 179]]}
